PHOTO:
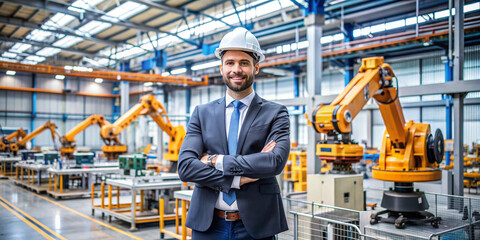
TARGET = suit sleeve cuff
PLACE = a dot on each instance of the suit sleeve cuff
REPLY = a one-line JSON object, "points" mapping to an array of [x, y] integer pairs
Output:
{"points": [[219, 163], [236, 182]]}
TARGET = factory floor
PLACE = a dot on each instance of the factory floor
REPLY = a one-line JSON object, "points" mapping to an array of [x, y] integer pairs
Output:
{"points": [[27, 215]]}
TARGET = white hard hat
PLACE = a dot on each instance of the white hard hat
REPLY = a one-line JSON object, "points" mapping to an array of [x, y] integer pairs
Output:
{"points": [[240, 39]]}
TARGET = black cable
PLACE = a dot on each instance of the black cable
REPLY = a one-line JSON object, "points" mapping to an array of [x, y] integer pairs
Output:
{"points": [[394, 99]]}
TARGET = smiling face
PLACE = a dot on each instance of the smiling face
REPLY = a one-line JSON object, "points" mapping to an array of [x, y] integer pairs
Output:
{"points": [[238, 70]]}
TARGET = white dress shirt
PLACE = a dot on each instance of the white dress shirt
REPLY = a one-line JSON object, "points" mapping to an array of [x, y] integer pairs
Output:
{"points": [[220, 204]]}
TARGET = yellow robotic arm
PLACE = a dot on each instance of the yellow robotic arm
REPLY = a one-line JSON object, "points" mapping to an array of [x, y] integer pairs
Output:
{"points": [[409, 152], [14, 147], [18, 134], [68, 140], [335, 119], [148, 105]]}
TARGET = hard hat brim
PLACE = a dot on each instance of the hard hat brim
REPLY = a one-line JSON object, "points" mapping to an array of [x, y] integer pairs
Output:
{"points": [[259, 54]]}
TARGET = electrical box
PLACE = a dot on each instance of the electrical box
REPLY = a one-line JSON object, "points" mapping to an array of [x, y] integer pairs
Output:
{"points": [[338, 190], [83, 158]]}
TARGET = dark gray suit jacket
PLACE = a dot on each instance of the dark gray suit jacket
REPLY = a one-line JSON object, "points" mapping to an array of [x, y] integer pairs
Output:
{"points": [[259, 203]]}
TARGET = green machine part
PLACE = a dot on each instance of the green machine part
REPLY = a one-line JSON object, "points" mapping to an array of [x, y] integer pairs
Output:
{"points": [[137, 162], [83, 158]]}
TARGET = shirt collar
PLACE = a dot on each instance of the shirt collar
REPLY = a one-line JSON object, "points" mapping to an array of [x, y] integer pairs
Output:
{"points": [[246, 100]]}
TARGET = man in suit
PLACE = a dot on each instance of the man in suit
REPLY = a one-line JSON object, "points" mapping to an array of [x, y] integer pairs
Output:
{"points": [[234, 148]]}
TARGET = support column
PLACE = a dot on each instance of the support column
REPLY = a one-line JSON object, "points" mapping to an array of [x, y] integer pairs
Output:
{"points": [[124, 99], [458, 100], [34, 106], [314, 22], [448, 105], [188, 93], [348, 27], [64, 110], [296, 94]]}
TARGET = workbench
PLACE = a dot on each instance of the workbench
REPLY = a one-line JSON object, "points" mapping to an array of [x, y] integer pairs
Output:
{"points": [[7, 163], [34, 173], [85, 175], [128, 211], [185, 196]]}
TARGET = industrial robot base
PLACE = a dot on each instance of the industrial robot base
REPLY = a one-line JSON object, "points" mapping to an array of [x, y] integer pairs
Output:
{"points": [[405, 206], [400, 220]]}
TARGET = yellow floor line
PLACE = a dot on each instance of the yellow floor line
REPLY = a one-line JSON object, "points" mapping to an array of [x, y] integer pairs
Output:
{"points": [[33, 219], [85, 216], [27, 222]]}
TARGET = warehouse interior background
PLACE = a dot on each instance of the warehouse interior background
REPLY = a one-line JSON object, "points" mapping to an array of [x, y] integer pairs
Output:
{"points": [[66, 60]]}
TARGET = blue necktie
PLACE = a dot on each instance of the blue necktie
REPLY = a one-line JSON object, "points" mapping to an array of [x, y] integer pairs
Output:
{"points": [[230, 197]]}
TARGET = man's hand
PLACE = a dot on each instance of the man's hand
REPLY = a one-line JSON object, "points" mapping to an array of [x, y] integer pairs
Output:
{"points": [[268, 148], [245, 180], [205, 158]]}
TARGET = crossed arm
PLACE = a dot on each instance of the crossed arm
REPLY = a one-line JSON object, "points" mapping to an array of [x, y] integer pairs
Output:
{"points": [[269, 162]]}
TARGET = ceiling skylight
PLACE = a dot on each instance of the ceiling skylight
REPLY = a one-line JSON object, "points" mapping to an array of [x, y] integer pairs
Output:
{"points": [[67, 41], [92, 28], [58, 20], [38, 35], [49, 51], [35, 58], [20, 47], [82, 5], [9, 55], [124, 11]]}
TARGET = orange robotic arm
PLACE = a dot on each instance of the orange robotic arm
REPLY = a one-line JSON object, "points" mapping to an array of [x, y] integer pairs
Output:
{"points": [[21, 144], [406, 146], [68, 140], [148, 105], [18, 134], [335, 119]]}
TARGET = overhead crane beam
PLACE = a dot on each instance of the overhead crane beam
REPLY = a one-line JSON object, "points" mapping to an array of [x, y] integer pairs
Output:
{"points": [[62, 7], [110, 75]]}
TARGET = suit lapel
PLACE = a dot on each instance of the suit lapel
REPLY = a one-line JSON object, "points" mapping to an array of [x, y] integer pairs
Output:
{"points": [[253, 110], [220, 115]]}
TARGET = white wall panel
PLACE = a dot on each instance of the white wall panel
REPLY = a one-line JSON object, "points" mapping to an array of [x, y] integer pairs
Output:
{"points": [[98, 105], [45, 138], [435, 116], [95, 88], [217, 92], [269, 89], [19, 80], [359, 127], [15, 101], [411, 114], [378, 128], [134, 99], [50, 103], [285, 88], [15, 122], [333, 82], [471, 70], [92, 138], [408, 72], [472, 124], [49, 82], [433, 70], [75, 104]]}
